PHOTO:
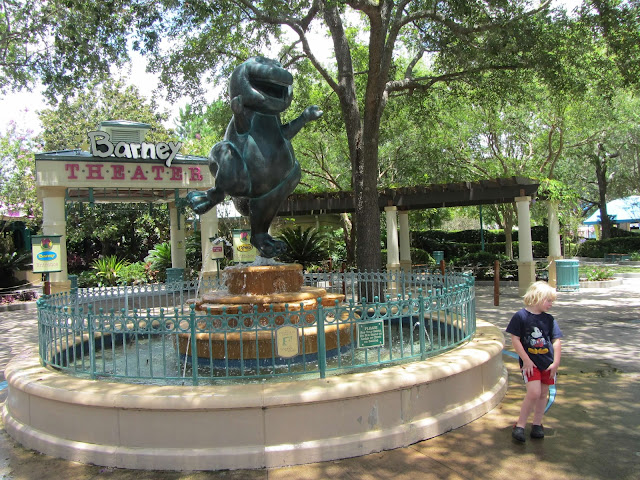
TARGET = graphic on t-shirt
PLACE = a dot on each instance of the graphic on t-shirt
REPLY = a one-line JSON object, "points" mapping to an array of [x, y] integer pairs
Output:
{"points": [[537, 342]]}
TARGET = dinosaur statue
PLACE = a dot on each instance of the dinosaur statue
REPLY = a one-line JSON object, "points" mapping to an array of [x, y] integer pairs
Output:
{"points": [[255, 163]]}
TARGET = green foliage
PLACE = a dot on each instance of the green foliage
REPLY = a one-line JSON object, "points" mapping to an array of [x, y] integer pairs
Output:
{"points": [[305, 247], [98, 102], [88, 278], [598, 273], [598, 248], [133, 274], [126, 230], [108, 269], [10, 263], [159, 259], [17, 174]]}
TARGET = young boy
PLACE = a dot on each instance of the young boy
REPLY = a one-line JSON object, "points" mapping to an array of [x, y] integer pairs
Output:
{"points": [[535, 336]]}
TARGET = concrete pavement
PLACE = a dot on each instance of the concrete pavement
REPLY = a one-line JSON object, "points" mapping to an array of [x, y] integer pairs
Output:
{"points": [[593, 427]]}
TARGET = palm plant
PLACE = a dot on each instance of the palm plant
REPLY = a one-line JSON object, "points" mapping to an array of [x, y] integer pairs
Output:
{"points": [[108, 269], [305, 247], [10, 263], [159, 259]]}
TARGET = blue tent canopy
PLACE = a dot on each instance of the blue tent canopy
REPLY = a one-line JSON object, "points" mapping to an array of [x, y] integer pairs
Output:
{"points": [[622, 210]]}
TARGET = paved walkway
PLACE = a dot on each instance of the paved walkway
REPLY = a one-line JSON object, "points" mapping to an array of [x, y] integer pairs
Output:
{"points": [[593, 428]]}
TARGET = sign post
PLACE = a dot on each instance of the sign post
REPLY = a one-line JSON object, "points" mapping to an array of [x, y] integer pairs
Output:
{"points": [[45, 251], [243, 251]]}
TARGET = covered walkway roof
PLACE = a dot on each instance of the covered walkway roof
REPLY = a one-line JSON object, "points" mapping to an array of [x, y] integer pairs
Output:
{"points": [[484, 192]]}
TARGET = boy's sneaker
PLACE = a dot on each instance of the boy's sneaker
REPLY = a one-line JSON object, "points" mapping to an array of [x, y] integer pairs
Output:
{"points": [[518, 433], [537, 431]]}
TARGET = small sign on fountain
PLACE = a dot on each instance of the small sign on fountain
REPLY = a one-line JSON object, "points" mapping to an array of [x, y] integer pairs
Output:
{"points": [[370, 334]]}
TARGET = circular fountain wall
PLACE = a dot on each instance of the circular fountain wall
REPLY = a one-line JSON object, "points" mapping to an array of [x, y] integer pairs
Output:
{"points": [[255, 425]]}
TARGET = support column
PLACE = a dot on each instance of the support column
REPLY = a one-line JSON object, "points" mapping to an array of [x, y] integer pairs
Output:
{"points": [[54, 223], [393, 253], [555, 252], [177, 232], [208, 231], [405, 242], [526, 265]]}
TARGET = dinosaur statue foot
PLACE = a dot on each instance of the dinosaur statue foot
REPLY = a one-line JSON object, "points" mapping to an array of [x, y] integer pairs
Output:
{"points": [[200, 202], [268, 246]]}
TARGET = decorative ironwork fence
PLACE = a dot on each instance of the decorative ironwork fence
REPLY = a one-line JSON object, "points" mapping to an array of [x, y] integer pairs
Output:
{"points": [[153, 334]]}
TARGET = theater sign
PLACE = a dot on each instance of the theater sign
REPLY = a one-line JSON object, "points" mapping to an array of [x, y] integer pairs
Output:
{"points": [[120, 160]]}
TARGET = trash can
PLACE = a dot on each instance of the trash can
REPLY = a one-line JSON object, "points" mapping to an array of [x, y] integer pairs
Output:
{"points": [[174, 275], [438, 255], [567, 278]]}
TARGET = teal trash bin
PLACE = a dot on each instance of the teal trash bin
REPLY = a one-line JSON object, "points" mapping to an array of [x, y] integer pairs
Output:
{"points": [[567, 278], [438, 255]]}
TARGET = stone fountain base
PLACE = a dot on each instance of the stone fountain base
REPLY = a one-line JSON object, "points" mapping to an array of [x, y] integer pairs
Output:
{"points": [[263, 288]]}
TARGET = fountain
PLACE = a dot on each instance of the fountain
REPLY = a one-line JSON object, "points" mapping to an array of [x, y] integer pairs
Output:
{"points": [[264, 288]]}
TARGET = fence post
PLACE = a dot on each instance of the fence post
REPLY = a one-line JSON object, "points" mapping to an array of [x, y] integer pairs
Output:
{"points": [[92, 340], [194, 345], [421, 333], [322, 344], [496, 283]]}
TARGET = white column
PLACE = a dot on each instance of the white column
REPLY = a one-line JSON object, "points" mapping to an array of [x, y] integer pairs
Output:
{"points": [[555, 251], [208, 230], [405, 242], [54, 223], [393, 253], [526, 265], [178, 250]]}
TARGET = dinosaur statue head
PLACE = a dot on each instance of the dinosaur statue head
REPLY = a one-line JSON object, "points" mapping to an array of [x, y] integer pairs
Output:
{"points": [[264, 85]]}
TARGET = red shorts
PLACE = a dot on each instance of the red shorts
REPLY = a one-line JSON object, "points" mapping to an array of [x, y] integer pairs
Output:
{"points": [[544, 376]]}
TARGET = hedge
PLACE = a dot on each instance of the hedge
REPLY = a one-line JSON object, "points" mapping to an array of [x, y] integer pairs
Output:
{"points": [[598, 248]]}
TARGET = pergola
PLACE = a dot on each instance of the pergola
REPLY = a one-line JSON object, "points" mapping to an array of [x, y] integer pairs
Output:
{"points": [[399, 201]]}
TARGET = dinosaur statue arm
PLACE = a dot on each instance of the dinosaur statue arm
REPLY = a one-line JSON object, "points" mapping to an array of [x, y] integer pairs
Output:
{"points": [[241, 117], [311, 113]]}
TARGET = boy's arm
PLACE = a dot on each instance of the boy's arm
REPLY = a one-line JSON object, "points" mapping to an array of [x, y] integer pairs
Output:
{"points": [[527, 364], [557, 353]]}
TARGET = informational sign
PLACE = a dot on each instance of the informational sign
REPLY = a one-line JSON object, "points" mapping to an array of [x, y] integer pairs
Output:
{"points": [[370, 334], [45, 250], [243, 251], [217, 251], [287, 344]]}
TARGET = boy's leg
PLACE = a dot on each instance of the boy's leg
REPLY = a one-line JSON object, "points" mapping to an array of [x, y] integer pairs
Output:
{"points": [[531, 398], [540, 405]]}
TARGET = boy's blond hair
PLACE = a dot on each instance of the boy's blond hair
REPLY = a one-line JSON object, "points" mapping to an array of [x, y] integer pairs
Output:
{"points": [[538, 292]]}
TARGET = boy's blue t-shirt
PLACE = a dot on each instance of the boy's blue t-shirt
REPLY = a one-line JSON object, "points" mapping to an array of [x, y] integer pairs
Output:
{"points": [[537, 333]]}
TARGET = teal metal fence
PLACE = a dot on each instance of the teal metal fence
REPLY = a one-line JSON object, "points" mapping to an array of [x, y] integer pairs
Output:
{"points": [[153, 334]]}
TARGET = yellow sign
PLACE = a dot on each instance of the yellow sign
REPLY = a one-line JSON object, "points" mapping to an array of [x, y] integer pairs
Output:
{"points": [[243, 251], [45, 250], [287, 342]]}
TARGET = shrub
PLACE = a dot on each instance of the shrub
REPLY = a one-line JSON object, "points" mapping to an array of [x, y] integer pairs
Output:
{"points": [[598, 273], [133, 274], [108, 269], [88, 278], [305, 247], [159, 259]]}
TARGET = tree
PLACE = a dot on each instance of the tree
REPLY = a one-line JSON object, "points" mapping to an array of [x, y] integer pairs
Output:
{"points": [[17, 173], [451, 41], [66, 124], [64, 44]]}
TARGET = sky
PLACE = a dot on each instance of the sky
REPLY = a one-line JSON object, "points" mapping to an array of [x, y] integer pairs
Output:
{"points": [[22, 107]]}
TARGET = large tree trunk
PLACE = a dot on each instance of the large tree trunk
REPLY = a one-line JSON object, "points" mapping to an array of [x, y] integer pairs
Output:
{"points": [[600, 162]]}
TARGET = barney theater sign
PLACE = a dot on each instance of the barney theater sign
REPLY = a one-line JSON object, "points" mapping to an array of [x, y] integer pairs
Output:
{"points": [[123, 164]]}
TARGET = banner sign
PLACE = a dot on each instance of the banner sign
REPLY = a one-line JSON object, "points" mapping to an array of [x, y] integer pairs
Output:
{"points": [[243, 251], [45, 250]]}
